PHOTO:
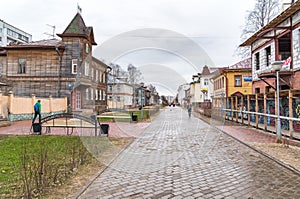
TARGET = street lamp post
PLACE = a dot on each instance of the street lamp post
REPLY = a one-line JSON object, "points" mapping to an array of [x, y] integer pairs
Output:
{"points": [[277, 65]]}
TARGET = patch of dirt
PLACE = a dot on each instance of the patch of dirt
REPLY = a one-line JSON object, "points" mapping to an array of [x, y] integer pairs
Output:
{"points": [[83, 175], [287, 154]]}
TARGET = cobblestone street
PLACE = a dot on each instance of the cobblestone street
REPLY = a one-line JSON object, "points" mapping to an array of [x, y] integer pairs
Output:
{"points": [[178, 157]]}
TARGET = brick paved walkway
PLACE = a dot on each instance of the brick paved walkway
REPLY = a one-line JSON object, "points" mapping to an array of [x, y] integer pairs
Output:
{"points": [[116, 129], [178, 157]]}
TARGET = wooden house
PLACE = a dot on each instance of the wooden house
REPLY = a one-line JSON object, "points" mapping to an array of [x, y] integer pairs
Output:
{"points": [[58, 68]]}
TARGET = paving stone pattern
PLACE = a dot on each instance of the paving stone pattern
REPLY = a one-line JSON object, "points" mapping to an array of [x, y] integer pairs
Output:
{"points": [[181, 157]]}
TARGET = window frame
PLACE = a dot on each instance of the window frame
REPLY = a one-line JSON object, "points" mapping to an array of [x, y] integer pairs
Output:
{"points": [[268, 55], [86, 68], [74, 66], [22, 66], [257, 61], [236, 77]]}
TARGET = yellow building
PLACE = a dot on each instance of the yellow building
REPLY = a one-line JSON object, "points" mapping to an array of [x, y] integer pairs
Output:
{"points": [[235, 80], [238, 82]]}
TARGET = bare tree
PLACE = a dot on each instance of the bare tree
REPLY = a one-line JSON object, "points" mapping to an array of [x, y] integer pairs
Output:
{"points": [[134, 75], [134, 78], [264, 11]]}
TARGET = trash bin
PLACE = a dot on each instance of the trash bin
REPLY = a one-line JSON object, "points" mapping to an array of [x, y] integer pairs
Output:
{"points": [[134, 118], [37, 128], [104, 128]]}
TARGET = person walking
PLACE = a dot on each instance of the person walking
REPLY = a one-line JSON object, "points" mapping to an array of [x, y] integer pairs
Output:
{"points": [[37, 111], [189, 108]]}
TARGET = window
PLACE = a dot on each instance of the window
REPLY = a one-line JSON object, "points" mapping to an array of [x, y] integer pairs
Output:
{"points": [[74, 66], [257, 90], [86, 68], [92, 73], [110, 88], [237, 80], [205, 82], [268, 55], [97, 77], [118, 98], [100, 76], [0, 30], [96, 94], [257, 61], [87, 94], [110, 98], [22, 66], [87, 48], [267, 89], [118, 87], [0, 38], [92, 93], [100, 95]]}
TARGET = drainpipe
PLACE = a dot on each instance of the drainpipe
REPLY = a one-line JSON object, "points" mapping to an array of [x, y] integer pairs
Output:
{"points": [[59, 66]]}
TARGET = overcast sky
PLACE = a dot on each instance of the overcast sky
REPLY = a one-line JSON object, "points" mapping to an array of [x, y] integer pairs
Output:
{"points": [[213, 25]]}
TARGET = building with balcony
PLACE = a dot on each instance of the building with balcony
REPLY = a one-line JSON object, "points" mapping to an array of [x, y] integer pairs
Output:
{"points": [[279, 40]]}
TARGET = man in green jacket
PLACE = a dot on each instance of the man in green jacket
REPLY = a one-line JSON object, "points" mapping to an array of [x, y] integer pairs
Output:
{"points": [[37, 111]]}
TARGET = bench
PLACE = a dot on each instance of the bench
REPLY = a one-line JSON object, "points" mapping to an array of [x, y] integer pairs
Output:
{"points": [[70, 121]]}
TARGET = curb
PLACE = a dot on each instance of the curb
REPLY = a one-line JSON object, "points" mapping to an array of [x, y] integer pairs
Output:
{"points": [[82, 190], [289, 167]]}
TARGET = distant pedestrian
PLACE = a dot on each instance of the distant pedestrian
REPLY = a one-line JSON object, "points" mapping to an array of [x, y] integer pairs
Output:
{"points": [[189, 108], [37, 111]]}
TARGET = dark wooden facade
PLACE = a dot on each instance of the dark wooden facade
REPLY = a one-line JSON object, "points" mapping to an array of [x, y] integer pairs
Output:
{"points": [[60, 68]]}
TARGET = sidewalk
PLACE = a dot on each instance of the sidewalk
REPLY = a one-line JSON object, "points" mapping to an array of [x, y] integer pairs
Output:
{"points": [[116, 129], [244, 133], [265, 142]]}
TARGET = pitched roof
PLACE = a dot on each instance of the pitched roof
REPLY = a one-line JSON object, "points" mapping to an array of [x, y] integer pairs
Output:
{"points": [[77, 28], [272, 24], [46, 43], [205, 70]]}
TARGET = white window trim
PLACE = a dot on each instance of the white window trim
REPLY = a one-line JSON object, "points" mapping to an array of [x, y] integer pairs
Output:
{"points": [[87, 93], [97, 77], [92, 94], [74, 66], [96, 94], [86, 68]]}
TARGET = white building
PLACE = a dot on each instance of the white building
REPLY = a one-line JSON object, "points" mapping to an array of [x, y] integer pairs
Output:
{"points": [[206, 84], [9, 33], [119, 94], [202, 86], [182, 98]]}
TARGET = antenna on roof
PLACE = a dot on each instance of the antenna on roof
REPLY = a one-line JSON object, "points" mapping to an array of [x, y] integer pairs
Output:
{"points": [[79, 10], [53, 33]]}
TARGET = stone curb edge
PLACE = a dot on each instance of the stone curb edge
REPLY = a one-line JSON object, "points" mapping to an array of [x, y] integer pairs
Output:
{"points": [[82, 190], [294, 170]]}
